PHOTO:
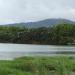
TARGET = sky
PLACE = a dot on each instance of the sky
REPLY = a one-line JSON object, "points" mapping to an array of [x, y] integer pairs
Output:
{"points": [[15, 11]]}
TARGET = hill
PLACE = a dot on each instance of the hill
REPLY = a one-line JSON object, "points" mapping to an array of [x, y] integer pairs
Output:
{"points": [[43, 23]]}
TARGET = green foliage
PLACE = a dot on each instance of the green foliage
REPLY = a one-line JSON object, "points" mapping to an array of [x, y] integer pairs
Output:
{"points": [[62, 34]]}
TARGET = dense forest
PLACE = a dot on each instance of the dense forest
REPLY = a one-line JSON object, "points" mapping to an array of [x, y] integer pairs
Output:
{"points": [[62, 34]]}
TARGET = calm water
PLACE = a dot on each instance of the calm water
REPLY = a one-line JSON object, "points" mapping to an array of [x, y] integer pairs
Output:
{"points": [[11, 51]]}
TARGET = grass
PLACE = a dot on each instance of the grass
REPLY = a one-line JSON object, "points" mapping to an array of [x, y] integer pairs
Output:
{"points": [[38, 66]]}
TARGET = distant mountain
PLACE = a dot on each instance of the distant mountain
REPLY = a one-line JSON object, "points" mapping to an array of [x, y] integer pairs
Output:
{"points": [[43, 23]]}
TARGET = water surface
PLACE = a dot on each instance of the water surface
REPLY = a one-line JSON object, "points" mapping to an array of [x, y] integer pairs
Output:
{"points": [[11, 51]]}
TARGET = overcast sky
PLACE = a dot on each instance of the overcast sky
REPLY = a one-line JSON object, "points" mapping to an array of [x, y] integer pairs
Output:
{"points": [[12, 11]]}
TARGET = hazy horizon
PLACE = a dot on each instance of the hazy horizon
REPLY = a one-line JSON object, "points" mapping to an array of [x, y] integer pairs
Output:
{"points": [[36, 21]]}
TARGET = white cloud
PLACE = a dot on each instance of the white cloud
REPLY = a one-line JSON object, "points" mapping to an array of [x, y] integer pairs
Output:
{"points": [[33, 10]]}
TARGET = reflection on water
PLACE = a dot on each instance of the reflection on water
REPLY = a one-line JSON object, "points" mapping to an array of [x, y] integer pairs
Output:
{"points": [[11, 51]]}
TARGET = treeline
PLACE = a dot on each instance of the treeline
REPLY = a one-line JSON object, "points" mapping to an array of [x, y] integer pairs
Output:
{"points": [[62, 34]]}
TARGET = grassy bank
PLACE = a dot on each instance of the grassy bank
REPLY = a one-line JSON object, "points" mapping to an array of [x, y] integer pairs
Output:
{"points": [[38, 66]]}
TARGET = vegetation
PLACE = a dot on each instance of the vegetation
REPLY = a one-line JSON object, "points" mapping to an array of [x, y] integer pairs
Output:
{"points": [[62, 34], [38, 66]]}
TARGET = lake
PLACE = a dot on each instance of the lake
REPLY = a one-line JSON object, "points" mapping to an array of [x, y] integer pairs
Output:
{"points": [[11, 51]]}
